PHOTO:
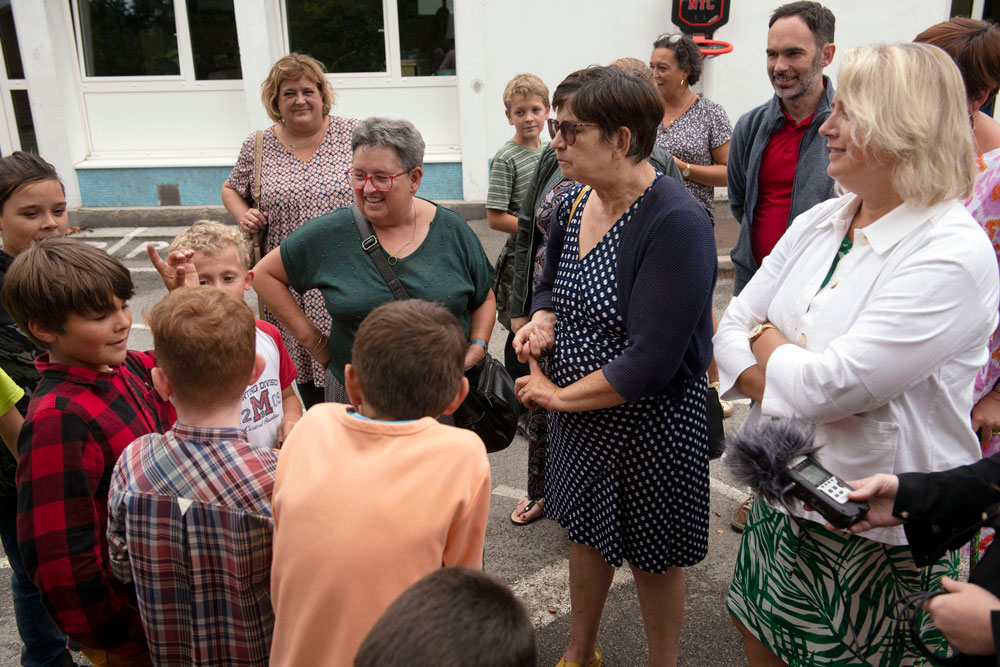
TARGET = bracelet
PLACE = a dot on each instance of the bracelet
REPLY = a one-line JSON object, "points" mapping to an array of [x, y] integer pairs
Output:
{"points": [[324, 340], [481, 343]]}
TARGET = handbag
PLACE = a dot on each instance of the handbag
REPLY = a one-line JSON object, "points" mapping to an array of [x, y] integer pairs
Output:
{"points": [[716, 429], [255, 241], [490, 410]]}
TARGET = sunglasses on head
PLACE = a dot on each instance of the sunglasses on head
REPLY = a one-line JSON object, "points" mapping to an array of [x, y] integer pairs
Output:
{"points": [[568, 129], [672, 38]]}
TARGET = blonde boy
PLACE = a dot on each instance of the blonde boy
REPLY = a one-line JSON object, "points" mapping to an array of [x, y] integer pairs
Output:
{"points": [[369, 500], [270, 407], [189, 511]]}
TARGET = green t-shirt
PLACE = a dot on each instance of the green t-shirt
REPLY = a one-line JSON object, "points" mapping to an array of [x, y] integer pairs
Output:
{"points": [[510, 174], [450, 267]]}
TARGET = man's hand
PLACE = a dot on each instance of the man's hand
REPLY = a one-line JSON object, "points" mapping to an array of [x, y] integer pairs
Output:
{"points": [[963, 616], [177, 271], [880, 492]]}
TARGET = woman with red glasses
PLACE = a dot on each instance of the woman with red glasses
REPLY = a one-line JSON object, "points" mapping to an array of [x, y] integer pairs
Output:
{"points": [[431, 249], [624, 306]]}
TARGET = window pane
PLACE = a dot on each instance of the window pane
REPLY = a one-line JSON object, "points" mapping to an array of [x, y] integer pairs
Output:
{"points": [[213, 39], [345, 35], [961, 7], [8, 38], [128, 37], [25, 125], [427, 37]]}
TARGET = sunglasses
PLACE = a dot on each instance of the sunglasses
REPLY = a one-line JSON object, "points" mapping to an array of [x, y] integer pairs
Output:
{"points": [[671, 38], [568, 129]]}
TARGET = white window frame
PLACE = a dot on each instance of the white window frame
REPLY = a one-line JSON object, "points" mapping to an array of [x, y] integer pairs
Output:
{"points": [[186, 80], [393, 77]]}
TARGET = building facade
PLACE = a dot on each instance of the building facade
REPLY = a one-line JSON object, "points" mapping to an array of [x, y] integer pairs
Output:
{"points": [[146, 102]]}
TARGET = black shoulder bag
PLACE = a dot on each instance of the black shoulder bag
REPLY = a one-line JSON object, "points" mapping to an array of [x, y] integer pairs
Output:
{"points": [[490, 410]]}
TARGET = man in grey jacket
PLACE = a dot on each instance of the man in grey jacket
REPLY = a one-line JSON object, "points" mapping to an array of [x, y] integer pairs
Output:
{"points": [[777, 160]]}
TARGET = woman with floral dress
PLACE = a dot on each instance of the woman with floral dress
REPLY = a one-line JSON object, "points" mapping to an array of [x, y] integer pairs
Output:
{"points": [[304, 156]]}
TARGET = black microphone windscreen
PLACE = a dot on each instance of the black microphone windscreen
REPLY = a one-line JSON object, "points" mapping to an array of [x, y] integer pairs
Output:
{"points": [[757, 456]]}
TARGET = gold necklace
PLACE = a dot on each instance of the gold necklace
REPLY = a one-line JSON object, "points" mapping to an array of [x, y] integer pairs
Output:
{"points": [[393, 258], [687, 105], [295, 147]]}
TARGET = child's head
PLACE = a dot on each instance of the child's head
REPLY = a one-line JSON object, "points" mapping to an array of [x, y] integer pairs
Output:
{"points": [[220, 255], [56, 286], [206, 345], [453, 617], [526, 100], [408, 361], [32, 202]]}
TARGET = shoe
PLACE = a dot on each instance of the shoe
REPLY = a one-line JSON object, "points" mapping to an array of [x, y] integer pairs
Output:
{"points": [[524, 507], [739, 520], [727, 406], [597, 661]]}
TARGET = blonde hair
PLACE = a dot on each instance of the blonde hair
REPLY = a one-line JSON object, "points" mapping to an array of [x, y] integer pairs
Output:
{"points": [[211, 238], [907, 105], [206, 344], [634, 65], [526, 85], [291, 67]]}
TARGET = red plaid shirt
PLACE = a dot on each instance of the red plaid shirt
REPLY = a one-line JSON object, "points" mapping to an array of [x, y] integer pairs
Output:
{"points": [[78, 423]]}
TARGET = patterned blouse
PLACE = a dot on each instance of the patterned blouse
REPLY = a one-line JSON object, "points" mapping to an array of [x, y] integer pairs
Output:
{"points": [[692, 138], [293, 191], [984, 205]]}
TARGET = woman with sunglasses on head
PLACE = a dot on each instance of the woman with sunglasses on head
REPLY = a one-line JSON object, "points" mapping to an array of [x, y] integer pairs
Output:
{"points": [[624, 306], [305, 151], [694, 128], [431, 249]]}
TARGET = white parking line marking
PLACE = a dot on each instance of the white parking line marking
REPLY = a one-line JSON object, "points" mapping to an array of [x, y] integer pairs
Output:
{"points": [[128, 237], [549, 587], [505, 491], [728, 491]]}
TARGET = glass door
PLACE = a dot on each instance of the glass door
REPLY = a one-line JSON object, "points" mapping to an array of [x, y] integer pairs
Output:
{"points": [[17, 129]]}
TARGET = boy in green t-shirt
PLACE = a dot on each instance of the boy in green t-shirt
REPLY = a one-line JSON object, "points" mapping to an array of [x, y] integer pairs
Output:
{"points": [[526, 102]]}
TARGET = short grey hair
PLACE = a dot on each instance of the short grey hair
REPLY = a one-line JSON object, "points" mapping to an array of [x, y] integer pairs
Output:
{"points": [[400, 135]]}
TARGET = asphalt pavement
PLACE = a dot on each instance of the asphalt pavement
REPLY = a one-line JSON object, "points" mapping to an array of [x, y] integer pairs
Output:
{"points": [[532, 559]]}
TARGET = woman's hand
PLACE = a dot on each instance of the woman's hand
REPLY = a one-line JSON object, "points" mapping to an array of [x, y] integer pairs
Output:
{"points": [[473, 355], [963, 616], [177, 271], [517, 322], [254, 220], [986, 416], [880, 492], [536, 389], [535, 336]]}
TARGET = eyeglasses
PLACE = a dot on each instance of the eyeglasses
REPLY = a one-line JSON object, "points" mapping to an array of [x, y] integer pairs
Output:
{"points": [[381, 182], [672, 38], [568, 129]]}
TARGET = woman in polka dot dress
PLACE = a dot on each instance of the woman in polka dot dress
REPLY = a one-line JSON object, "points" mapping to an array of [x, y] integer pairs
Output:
{"points": [[304, 157], [624, 306]]}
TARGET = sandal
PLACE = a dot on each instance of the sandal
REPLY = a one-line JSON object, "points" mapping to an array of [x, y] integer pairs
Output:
{"points": [[563, 662], [524, 507], [739, 520]]}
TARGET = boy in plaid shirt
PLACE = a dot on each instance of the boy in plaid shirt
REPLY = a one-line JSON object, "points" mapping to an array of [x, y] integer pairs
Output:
{"points": [[190, 510], [94, 398]]}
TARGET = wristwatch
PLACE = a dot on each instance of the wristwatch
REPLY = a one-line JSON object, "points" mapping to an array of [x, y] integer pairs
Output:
{"points": [[759, 330], [686, 171]]}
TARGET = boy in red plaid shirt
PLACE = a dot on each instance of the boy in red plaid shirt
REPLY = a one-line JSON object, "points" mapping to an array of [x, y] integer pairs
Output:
{"points": [[94, 398]]}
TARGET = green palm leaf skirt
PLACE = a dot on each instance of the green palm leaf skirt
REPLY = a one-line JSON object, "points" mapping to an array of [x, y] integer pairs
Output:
{"points": [[816, 597]]}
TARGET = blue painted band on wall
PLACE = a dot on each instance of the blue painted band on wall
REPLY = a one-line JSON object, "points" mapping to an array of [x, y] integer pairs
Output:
{"points": [[200, 186]]}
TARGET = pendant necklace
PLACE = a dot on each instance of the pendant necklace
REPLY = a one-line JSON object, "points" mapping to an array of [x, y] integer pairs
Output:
{"points": [[393, 258]]}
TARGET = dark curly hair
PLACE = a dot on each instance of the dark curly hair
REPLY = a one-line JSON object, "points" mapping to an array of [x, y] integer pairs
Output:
{"points": [[686, 52]]}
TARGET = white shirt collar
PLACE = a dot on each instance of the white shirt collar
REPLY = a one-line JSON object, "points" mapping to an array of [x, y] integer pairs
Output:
{"points": [[895, 225]]}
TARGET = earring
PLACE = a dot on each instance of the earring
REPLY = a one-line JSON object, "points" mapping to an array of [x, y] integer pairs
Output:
{"points": [[683, 81]]}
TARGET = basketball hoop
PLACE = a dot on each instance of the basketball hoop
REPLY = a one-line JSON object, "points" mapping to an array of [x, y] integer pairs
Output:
{"points": [[711, 47], [699, 19]]}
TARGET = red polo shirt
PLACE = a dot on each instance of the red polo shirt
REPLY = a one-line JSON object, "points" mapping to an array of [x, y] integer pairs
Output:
{"points": [[774, 186]]}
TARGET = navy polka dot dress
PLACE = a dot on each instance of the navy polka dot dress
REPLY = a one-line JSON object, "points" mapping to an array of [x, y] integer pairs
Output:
{"points": [[632, 480]]}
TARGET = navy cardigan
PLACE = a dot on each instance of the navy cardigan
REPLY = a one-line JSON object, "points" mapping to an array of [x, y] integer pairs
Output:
{"points": [[667, 267]]}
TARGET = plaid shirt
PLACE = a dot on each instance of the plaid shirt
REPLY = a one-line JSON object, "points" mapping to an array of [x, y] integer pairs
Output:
{"points": [[78, 423], [190, 523]]}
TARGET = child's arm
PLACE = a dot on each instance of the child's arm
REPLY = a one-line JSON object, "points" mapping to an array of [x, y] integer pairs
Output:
{"points": [[292, 412], [468, 531], [117, 546], [502, 221], [502, 176], [60, 531], [11, 420]]}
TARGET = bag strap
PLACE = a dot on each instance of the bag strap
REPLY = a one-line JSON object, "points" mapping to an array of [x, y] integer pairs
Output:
{"points": [[258, 154], [576, 202], [369, 243]]}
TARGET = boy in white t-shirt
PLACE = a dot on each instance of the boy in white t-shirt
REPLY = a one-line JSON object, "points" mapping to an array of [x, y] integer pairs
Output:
{"points": [[270, 407]]}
